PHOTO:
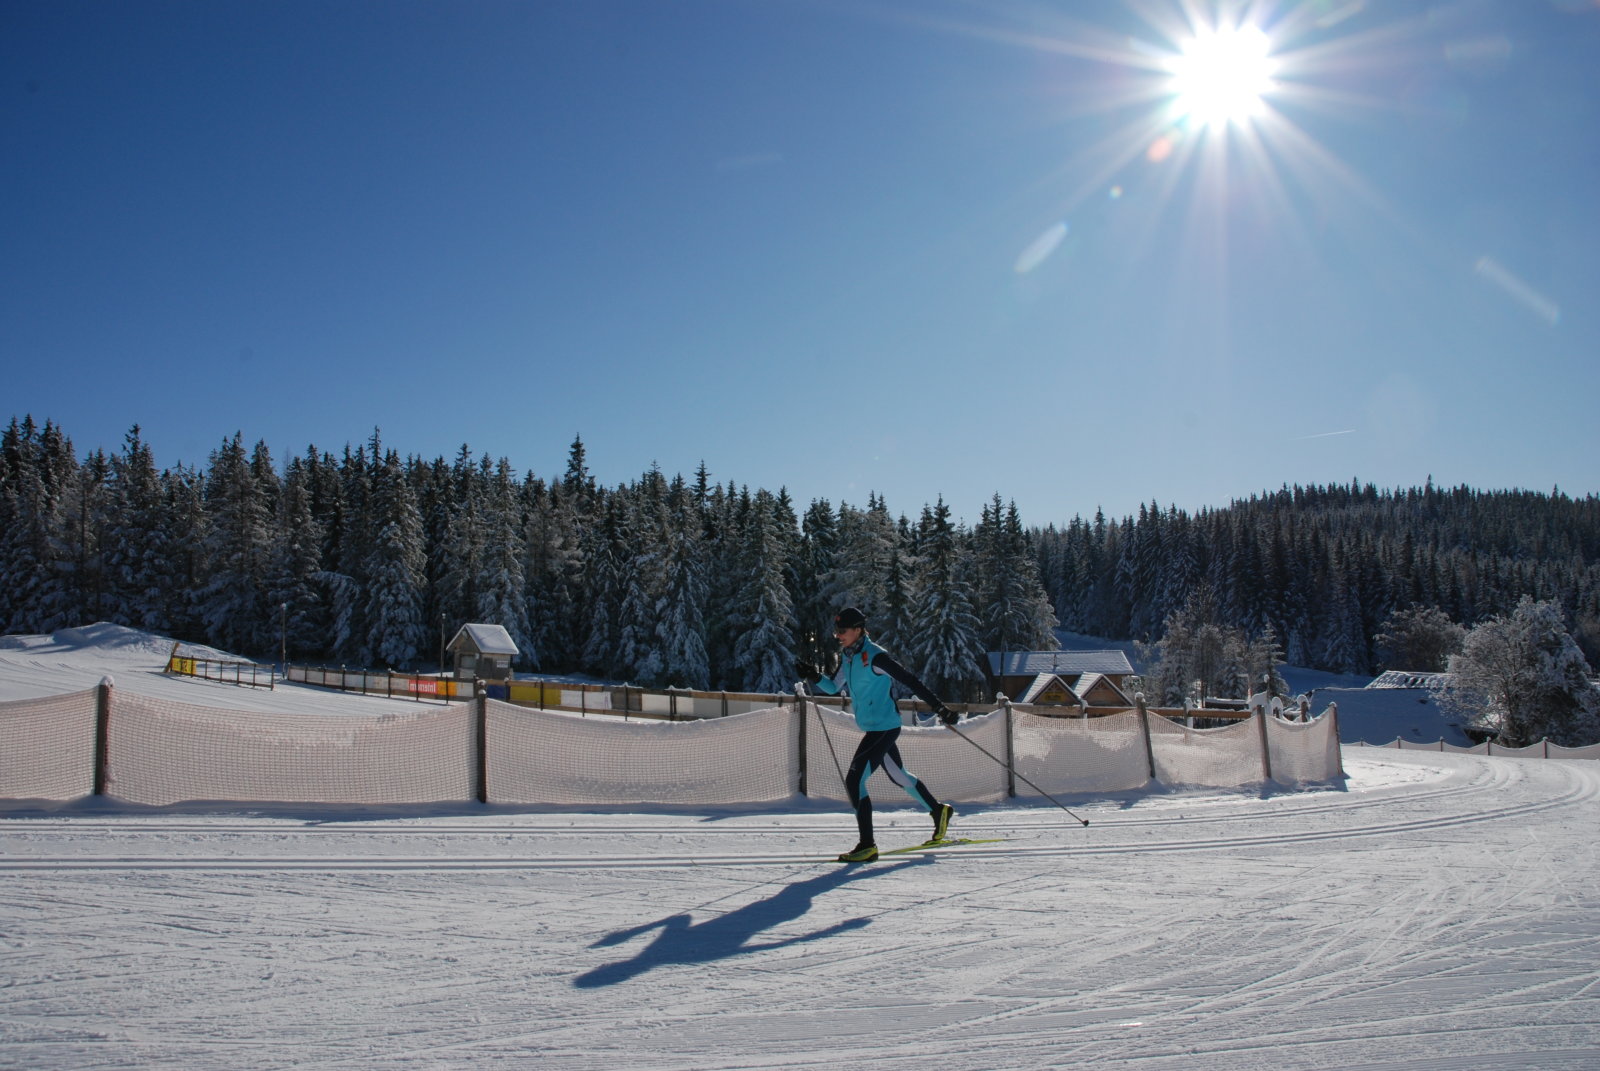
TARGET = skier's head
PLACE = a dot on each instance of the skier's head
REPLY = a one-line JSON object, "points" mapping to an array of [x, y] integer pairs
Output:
{"points": [[849, 624]]}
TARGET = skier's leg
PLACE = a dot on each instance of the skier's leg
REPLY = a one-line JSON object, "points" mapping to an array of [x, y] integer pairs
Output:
{"points": [[907, 780], [868, 757], [941, 812]]}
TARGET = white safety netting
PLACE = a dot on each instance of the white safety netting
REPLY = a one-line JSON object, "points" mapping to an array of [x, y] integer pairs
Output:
{"points": [[1588, 751], [1475, 749], [953, 770], [547, 757], [161, 752], [165, 752], [1303, 752], [1207, 758], [47, 746], [1104, 754]]}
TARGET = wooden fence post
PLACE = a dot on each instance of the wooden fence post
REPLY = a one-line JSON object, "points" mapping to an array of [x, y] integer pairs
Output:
{"points": [[1266, 756], [1338, 751], [800, 704], [1144, 727], [102, 734], [481, 735], [1011, 748]]}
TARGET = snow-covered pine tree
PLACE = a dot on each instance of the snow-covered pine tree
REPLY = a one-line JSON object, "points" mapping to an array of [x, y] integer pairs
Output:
{"points": [[723, 521], [395, 571], [296, 562], [944, 646], [138, 550], [232, 601], [1014, 612], [819, 537], [38, 473], [866, 545], [465, 545], [502, 597], [607, 551], [643, 584], [763, 650], [680, 629]]}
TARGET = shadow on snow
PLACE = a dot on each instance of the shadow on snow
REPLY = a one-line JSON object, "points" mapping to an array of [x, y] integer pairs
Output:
{"points": [[681, 940]]}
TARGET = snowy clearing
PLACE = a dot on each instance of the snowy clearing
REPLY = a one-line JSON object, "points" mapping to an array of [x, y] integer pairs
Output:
{"points": [[1440, 912]]}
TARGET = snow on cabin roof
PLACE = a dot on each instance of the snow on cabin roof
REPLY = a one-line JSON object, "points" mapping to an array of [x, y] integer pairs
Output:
{"points": [[486, 639], [1063, 663], [1405, 678], [1042, 683]]}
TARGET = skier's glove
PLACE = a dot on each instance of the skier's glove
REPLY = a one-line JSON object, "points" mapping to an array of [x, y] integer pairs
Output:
{"points": [[807, 672], [947, 716]]}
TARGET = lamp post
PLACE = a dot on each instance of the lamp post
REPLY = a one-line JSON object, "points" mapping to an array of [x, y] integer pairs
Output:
{"points": [[441, 645], [283, 637]]}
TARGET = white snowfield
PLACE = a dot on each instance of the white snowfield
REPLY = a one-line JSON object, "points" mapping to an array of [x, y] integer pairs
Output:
{"points": [[1441, 911]]}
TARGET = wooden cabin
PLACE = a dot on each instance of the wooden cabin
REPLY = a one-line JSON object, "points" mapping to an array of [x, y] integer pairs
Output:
{"points": [[483, 652], [1063, 678]]}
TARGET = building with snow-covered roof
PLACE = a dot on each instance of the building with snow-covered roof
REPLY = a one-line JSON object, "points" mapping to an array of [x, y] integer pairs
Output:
{"points": [[1408, 679], [484, 652], [1063, 678]]}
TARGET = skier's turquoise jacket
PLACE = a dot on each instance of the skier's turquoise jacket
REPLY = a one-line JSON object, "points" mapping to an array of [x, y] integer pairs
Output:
{"points": [[868, 673]]}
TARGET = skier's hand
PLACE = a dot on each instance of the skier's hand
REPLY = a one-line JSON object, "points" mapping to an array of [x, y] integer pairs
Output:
{"points": [[947, 716], [807, 672]]}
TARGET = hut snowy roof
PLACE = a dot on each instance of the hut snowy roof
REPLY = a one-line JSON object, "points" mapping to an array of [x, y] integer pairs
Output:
{"points": [[1064, 663], [485, 639]]}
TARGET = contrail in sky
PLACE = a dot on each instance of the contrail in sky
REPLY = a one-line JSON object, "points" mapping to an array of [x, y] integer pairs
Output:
{"points": [[1323, 435]]}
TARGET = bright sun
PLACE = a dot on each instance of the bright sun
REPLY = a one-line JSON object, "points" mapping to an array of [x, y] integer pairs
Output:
{"points": [[1220, 77]]}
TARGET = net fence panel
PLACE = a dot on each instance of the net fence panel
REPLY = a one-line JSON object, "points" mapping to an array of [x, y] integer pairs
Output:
{"points": [[548, 757], [165, 752], [1588, 751], [1206, 758], [1532, 751], [1414, 745], [47, 746], [1303, 752], [1475, 749], [955, 772], [1104, 754]]}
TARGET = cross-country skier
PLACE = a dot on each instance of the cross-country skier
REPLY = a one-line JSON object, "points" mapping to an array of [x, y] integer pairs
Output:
{"points": [[868, 673]]}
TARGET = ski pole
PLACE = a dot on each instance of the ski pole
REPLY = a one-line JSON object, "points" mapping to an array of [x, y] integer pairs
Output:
{"points": [[800, 690], [1014, 773]]}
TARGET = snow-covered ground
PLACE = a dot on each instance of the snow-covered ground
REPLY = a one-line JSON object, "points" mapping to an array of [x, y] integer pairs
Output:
{"points": [[1441, 911]]}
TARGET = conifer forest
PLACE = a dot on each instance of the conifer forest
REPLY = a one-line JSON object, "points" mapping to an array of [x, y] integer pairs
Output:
{"points": [[372, 559]]}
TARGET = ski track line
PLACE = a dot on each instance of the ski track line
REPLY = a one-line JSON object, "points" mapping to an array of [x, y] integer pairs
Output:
{"points": [[442, 863], [25, 826], [1577, 789]]}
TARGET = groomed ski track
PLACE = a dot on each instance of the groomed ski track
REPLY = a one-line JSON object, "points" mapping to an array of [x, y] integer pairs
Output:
{"points": [[1441, 912]]}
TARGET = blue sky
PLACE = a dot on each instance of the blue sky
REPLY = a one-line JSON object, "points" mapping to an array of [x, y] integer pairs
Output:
{"points": [[918, 248]]}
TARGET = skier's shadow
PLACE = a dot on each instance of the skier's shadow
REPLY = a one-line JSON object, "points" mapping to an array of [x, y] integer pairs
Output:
{"points": [[684, 941]]}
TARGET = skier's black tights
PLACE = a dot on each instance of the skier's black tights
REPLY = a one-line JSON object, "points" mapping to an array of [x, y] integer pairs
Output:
{"points": [[878, 750]]}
